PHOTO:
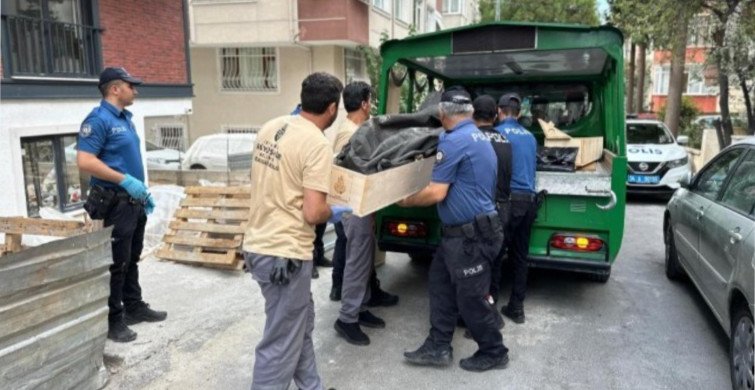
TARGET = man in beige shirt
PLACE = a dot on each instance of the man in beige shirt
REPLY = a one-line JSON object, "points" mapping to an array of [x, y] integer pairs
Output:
{"points": [[290, 182]]}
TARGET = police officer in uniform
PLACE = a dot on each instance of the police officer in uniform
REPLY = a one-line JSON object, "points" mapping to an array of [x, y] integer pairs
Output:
{"points": [[463, 185], [290, 176], [485, 114], [108, 149], [523, 199]]}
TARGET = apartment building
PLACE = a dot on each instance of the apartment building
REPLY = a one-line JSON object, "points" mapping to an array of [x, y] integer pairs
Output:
{"points": [[52, 54], [249, 56]]}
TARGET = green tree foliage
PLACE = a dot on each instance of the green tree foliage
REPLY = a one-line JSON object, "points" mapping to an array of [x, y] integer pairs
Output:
{"points": [[687, 114], [554, 11]]}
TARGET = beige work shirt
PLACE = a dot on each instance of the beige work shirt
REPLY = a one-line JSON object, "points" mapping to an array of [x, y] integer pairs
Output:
{"points": [[345, 131], [290, 154]]}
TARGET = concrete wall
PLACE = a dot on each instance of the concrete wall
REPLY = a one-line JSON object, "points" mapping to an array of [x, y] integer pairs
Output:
{"points": [[242, 22], [22, 119]]}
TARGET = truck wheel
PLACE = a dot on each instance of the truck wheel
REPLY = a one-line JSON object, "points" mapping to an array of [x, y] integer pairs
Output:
{"points": [[674, 270], [601, 277], [198, 166], [741, 349]]}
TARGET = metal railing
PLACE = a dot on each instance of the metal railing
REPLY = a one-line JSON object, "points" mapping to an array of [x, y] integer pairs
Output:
{"points": [[39, 47]]}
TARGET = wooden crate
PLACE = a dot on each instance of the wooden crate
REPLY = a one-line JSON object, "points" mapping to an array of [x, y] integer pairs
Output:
{"points": [[15, 227], [590, 148], [208, 228], [366, 194]]}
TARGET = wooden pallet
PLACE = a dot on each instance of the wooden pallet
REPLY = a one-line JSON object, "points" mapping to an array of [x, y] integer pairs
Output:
{"points": [[208, 228], [15, 227]]}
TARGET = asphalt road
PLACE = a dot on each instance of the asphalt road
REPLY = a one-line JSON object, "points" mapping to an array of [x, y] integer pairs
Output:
{"points": [[638, 331]]}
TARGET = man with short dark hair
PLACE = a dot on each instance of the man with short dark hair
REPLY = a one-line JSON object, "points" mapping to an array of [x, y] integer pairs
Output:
{"points": [[109, 150], [290, 181], [463, 185], [523, 199]]}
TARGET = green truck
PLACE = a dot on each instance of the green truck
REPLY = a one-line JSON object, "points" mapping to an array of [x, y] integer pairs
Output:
{"points": [[567, 74]]}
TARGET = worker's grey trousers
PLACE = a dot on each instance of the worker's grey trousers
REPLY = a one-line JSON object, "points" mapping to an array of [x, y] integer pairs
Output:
{"points": [[360, 256], [286, 350]]}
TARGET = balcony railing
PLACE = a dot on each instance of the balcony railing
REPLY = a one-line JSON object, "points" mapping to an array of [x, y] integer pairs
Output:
{"points": [[44, 48]]}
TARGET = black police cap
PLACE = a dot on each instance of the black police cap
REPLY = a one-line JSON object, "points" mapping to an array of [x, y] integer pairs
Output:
{"points": [[510, 100], [484, 107], [117, 73], [456, 95]]}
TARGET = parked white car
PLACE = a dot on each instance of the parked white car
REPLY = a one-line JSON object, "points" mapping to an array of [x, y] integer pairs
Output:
{"points": [[212, 151], [157, 156], [656, 161]]}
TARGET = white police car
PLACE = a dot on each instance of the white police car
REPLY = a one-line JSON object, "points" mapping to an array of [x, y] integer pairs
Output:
{"points": [[656, 161]]}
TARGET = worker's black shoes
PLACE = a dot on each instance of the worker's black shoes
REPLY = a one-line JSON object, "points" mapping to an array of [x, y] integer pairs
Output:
{"points": [[120, 333], [428, 355], [335, 293], [516, 315], [141, 312], [315, 273], [370, 320], [351, 332], [378, 297], [480, 363], [499, 323], [323, 261]]}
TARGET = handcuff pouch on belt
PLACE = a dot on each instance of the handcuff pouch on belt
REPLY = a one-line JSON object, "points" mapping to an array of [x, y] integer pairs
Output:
{"points": [[99, 202]]}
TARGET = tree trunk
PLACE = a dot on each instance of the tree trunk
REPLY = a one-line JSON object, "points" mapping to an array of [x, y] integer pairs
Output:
{"points": [[630, 82], [723, 90], [676, 82], [748, 105], [641, 78]]}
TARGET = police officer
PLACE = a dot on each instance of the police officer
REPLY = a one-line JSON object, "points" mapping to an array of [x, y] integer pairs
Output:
{"points": [[108, 149], [523, 199], [290, 176], [463, 185], [485, 113]]}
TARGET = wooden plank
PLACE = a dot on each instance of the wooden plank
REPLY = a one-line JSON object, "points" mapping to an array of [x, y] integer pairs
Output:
{"points": [[244, 190], [12, 242], [366, 194], [42, 227], [234, 215], [207, 227], [215, 202], [203, 242], [227, 259]]}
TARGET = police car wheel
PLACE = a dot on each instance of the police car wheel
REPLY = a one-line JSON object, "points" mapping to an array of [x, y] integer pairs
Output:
{"points": [[673, 269]]}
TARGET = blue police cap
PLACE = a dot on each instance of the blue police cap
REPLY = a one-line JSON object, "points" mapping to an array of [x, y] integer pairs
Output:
{"points": [[117, 73]]}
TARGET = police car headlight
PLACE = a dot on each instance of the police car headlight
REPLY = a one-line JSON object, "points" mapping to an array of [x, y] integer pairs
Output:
{"points": [[677, 163]]}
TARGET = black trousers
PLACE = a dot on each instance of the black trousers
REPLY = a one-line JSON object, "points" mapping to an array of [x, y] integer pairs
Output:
{"points": [[504, 213], [128, 220], [523, 214], [459, 280], [319, 250], [339, 256]]}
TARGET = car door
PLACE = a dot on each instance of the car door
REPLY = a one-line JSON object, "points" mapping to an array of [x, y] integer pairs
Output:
{"points": [[725, 226], [693, 206]]}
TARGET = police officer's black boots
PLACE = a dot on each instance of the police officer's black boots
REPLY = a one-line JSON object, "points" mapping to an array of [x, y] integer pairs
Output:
{"points": [[479, 362], [141, 312], [378, 297], [428, 355], [335, 293], [352, 333], [120, 333], [515, 314]]}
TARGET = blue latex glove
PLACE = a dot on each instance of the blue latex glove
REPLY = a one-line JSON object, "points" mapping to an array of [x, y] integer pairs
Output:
{"points": [[338, 212], [149, 207], [134, 187]]}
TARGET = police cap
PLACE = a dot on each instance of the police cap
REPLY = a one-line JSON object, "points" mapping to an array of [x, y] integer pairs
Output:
{"points": [[117, 73], [456, 95], [511, 99], [484, 107]]}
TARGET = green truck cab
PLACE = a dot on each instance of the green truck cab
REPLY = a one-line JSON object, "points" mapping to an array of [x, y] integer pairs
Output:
{"points": [[568, 74]]}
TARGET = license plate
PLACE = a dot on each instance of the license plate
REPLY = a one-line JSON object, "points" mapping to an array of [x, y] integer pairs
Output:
{"points": [[642, 179]]}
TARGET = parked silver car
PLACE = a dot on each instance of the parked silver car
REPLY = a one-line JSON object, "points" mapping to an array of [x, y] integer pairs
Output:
{"points": [[709, 230]]}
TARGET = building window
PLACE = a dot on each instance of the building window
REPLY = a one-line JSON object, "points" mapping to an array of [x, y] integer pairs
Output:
{"points": [[249, 69], [51, 176], [384, 5], [170, 136], [51, 38], [240, 129], [354, 65], [401, 14], [661, 76], [452, 6], [694, 81]]}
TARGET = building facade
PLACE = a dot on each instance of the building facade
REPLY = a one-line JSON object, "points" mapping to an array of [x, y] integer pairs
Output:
{"points": [[52, 54], [249, 57]]}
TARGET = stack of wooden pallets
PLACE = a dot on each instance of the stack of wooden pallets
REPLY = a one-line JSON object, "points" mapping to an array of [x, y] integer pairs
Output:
{"points": [[208, 228]]}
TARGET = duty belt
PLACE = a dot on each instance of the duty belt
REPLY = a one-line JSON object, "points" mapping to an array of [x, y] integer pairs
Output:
{"points": [[523, 197]]}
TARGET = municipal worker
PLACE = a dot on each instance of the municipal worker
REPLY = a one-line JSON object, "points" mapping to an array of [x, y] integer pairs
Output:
{"points": [[290, 181], [523, 199], [485, 114], [109, 150], [463, 185], [359, 264]]}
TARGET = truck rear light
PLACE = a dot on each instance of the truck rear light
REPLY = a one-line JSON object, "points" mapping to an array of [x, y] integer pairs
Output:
{"points": [[577, 242], [407, 229]]}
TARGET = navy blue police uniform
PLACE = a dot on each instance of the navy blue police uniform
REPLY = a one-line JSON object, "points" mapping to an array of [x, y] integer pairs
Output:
{"points": [[109, 134], [459, 277], [523, 210]]}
